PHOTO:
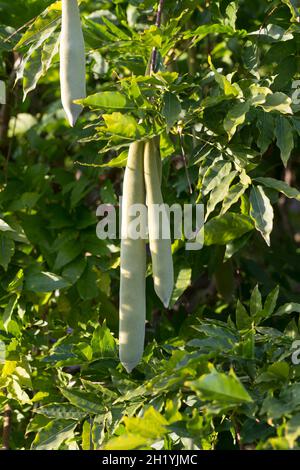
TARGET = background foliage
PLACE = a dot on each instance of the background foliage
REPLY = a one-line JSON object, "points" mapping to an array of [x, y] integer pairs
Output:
{"points": [[217, 371]]}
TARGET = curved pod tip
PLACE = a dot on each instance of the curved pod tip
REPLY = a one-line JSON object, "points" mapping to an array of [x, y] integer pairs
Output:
{"points": [[73, 114], [166, 302], [129, 366]]}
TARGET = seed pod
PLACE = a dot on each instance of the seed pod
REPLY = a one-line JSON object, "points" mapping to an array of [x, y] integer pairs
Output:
{"points": [[133, 265], [72, 60], [159, 236]]}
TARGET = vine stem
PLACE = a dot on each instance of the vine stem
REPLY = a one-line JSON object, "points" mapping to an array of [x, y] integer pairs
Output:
{"points": [[157, 24], [185, 162]]}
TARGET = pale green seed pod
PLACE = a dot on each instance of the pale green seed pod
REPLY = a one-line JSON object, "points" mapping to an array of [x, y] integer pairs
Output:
{"points": [[72, 60], [159, 236], [133, 265]]}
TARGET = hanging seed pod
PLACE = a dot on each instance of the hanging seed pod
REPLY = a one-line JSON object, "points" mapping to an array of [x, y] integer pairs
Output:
{"points": [[72, 60], [133, 265], [159, 237]]}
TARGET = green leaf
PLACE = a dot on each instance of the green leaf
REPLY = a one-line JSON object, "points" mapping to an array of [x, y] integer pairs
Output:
{"points": [[118, 162], [272, 33], [117, 32], [53, 435], [37, 62], [219, 386], [284, 137], [231, 14], [223, 82], [243, 320], [139, 431], [224, 228], [265, 125], [280, 370], [16, 284], [26, 201], [202, 31], [292, 430], [61, 411], [86, 435], [67, 253], [250, 58], [171, 109], [87, 284], [103, 343], [294, 8], [84, 351], [8, 311], [44, 281], [235, 117], [61, 354], [73, 271], [123, 125], [4, 227], [17, 392], [151, 425], [236, 245], [110, 100], [270, 302], [241, 154], [258, 95], [7, 250], [182, 282], [48, 18], [80, 189], [278, 102], [255, 302], [280, 186], [261, 212], [22, 123], [233, 195], [126, 442], [214, 175], [85, 401], [288, 308], [219, 193]]}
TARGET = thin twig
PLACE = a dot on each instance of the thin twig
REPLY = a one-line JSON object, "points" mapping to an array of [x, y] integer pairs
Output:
{"points": [[185, 162], [157, 24], [174, 58], [20, 29]]}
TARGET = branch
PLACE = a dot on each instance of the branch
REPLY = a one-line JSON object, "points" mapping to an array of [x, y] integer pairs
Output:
{"points": [[158, 24], [183, 154], [159, 13]]}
